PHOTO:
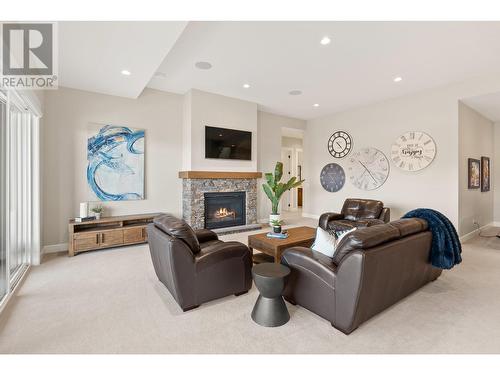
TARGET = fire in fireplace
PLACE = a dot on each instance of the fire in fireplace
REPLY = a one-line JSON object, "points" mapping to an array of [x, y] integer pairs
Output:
{"points": [[224, 209]]}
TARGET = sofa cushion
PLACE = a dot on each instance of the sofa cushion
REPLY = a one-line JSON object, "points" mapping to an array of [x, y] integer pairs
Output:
{"points": [[365, 238], [409, 226], [355, 209], [178, 228]]}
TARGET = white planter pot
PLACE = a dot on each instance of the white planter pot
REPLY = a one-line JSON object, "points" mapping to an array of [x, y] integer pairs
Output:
{"points": [[97, 216], [274, 217]]}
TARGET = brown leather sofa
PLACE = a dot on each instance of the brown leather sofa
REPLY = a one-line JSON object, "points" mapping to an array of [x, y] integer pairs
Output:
{"points": [[356, 213], [195, 266], [373, 268]]}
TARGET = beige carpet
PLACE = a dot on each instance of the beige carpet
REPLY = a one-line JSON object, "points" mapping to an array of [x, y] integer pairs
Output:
{"points": [[111, 302]]}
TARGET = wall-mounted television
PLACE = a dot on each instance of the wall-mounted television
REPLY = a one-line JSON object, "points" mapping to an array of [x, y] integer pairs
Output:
{"points": [[221, 143]]}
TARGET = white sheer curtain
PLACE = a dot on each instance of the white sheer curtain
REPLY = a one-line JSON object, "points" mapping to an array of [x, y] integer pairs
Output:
{"points": [[3, 196], [19, 209]]}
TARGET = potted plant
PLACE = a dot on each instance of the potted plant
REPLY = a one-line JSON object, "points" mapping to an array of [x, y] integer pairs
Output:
{"points": [[97, 210], [276, 224], [274, 189]]}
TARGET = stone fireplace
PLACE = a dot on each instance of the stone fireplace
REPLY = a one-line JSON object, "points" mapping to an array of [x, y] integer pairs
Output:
{"points": [[215, 200]]}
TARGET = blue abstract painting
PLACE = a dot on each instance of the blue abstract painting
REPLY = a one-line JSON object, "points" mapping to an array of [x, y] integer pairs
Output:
{"points": [[115, 170]]}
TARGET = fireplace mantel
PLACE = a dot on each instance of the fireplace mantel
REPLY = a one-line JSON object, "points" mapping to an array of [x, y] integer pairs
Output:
{"points": [[213, 175]]}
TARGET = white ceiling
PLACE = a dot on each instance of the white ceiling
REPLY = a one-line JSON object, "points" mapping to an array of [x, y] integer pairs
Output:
{"points": [[488, 105], [93, 54], [357, 68]]}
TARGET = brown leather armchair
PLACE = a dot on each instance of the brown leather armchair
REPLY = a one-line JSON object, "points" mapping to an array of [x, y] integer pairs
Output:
{"points": [[356, 213], [195, 266], [372, 269]]}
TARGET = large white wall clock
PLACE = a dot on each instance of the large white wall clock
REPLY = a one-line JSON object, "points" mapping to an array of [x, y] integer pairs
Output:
{"points": [[340, 144], [369, 168], [413, 151]]}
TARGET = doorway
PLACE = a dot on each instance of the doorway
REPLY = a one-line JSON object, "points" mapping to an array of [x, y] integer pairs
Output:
{"points": [[292, 159]]}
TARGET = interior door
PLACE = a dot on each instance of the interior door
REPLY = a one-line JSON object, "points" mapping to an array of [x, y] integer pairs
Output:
{"points": [[300, 176], [287, 160]]}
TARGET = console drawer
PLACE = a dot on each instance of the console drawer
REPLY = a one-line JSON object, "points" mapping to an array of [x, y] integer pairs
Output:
{"points": [[85, 241], [111, 238], [137, 234]]}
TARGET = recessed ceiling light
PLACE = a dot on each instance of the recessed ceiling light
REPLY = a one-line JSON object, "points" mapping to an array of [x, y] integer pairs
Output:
{"points": [[398, 79], [325, 40], [316, 105], [126, 72], [295, 92], [204, 65], [246, 86]]}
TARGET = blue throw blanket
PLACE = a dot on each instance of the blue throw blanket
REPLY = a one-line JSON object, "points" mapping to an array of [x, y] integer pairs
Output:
{"points": [[446, 247]]}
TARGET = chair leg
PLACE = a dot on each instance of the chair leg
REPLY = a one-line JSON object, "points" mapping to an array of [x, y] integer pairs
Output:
{"points": [[190, 308], [241, 293]]}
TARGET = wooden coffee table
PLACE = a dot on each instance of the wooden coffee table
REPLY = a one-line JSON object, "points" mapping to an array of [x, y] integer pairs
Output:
{"points": [[274, 247]]}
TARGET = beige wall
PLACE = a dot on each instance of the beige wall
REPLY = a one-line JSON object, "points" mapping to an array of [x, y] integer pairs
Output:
{"points": [[269, 134], [433, 111], [476, 139], [495, 177], [206, 109], [67, 116]]}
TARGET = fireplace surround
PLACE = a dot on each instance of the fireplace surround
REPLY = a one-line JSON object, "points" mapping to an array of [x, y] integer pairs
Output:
{"points": [[196, 185]]}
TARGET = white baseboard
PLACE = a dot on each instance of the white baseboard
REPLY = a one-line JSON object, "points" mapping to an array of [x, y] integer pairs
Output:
{"points": [[310, 216], [474, 233], [57, 248]]}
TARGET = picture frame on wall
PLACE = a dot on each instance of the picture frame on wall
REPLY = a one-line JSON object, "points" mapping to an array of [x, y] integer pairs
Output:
{"points": [[474, 173], [485, 173]]}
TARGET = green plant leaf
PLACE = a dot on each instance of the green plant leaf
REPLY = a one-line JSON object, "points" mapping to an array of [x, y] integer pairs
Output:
{"points": [[270, 180], [268, 192], [297, 184], [278, 172]]}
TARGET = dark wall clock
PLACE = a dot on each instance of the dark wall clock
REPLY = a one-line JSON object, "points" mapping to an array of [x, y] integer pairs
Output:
{"points": [[340, 144], [332, 177]]}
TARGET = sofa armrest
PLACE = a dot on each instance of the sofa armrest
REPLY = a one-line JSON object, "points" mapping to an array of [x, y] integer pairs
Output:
{"points": [[325, 218], [303, 259], [220, 253], [385, 215], [205, 235]]}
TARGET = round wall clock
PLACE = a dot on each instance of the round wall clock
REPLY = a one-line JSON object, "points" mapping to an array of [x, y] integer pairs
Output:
{"points": [[340, 144], [332, 177], [369, 168], [413, 151]]}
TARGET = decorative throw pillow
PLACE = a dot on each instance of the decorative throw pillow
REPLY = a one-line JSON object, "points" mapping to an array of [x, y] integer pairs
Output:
{"points": [[326, 243]]}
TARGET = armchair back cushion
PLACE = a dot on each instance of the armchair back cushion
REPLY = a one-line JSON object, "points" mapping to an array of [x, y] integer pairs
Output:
{"points": [[179, 229], [355, 209]]}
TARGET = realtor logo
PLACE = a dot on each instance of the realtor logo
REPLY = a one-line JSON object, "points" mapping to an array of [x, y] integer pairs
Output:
{"points": [[28, 56]]}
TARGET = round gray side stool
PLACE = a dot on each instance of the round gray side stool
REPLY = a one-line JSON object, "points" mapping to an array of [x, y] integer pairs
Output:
{"points": [[270, 309]]}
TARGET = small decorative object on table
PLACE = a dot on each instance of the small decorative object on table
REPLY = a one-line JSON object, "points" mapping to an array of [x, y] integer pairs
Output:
{"points": [[84, 209], [97, 210], [278, 235], [276, 224]]}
